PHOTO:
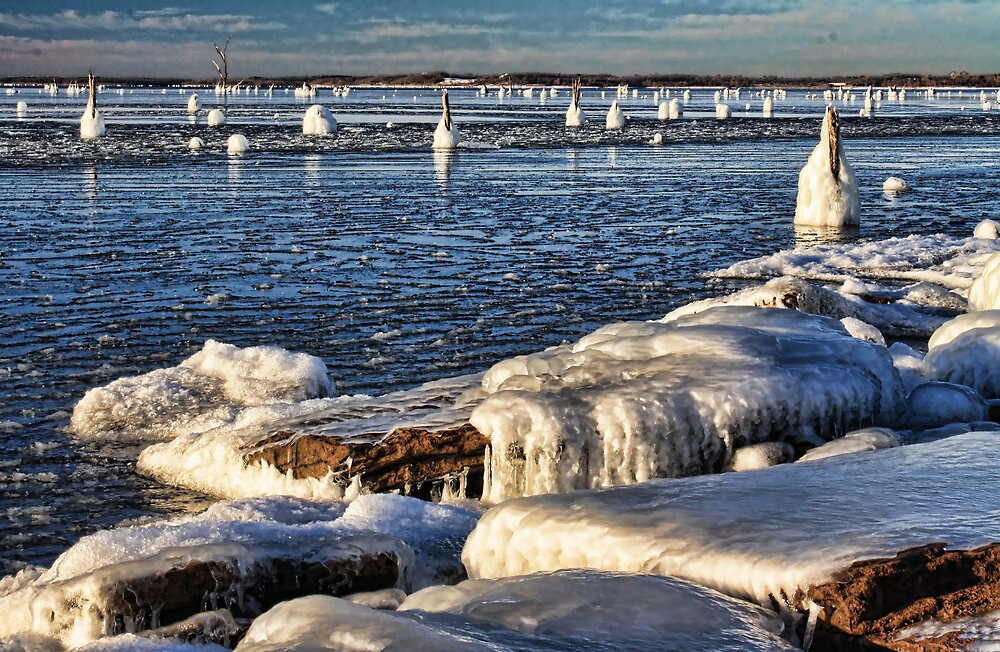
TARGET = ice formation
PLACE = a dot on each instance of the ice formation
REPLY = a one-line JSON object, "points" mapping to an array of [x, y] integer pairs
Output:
{"points": [[762, 456], [615, 118], [657, 139], [828, 193], [985, 291], [70, 600], [967, 351], [768, 109], [934, 404], [574, 113], [446, 136], [318, 121], [194, 104], [675, 110], [92, 121], [944, 260], [663, 110], [204, 391], [21, 108], [866, 439], [987, 229], [910, 312], [641, 400], [568, 610], [237, 144], [723, 111], [216, 118], [195, 143], [894, 184], [754, 535]]}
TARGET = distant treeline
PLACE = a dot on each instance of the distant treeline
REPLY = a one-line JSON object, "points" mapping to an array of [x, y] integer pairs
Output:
{"points": [[549, 79]]}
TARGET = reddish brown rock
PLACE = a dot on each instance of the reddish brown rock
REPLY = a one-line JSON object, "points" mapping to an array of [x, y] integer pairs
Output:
{"points": [[409, 460], [868, 604]]}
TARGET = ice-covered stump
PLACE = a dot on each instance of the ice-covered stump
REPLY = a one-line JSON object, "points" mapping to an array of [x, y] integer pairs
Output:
{"points": [[642, 400], [766, 536], [828, 192], [571, 610], [244, 556]]}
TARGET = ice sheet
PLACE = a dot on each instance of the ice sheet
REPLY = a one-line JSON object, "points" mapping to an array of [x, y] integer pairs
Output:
{"points": [[755, 535]]}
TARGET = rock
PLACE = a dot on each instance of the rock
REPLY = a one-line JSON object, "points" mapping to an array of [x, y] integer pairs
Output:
{"points": [[217, 627], [867, 605], [414, 461]]}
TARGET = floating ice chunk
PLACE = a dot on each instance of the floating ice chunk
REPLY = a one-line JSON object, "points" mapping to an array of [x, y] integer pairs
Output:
{"points": [[989, 229], [936, 404], [754, 535], [971, 358], [639, 400], [237, 144], [862, 330], [762, 456], [894, 184], [569, 610], [985, 291], [866, 439], [204, 391], [318, 121], [828, 193], [216, 118]]}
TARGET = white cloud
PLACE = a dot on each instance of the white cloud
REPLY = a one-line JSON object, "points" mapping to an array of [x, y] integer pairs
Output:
{"points": [[327, 8], [381, 29], [161, 20]]}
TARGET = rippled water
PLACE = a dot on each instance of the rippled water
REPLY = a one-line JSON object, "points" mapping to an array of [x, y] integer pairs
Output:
{"points": [[395, 264]]}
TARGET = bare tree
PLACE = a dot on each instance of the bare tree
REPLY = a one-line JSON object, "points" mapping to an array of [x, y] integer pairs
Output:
{"points": [[223, 71]]}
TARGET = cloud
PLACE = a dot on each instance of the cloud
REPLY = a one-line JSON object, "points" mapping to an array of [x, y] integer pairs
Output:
{"points": [[160, 20], [385, 29], [327, 8]]}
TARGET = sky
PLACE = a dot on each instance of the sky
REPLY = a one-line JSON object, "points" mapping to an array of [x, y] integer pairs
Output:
{"points": [[816, 38]]}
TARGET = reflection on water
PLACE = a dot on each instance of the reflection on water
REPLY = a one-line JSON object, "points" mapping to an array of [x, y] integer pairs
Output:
{"points": [[572, 160], [90, 182], [442, 167], [810, 236]]}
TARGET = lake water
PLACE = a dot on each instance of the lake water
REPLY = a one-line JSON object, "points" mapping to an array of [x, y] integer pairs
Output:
{"points": [[394, 264]]}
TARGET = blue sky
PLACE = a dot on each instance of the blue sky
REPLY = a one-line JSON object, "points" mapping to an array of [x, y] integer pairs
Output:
{"points": [[294, 37]]}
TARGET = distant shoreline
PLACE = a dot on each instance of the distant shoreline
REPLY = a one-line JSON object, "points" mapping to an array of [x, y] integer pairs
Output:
{"points": [[439, 78]]}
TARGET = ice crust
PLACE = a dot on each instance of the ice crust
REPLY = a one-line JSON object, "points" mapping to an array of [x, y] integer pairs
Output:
{"points": [[208, 389], [944, 260], [569, 610], [755, 535], [640, 400], [421, 535]]}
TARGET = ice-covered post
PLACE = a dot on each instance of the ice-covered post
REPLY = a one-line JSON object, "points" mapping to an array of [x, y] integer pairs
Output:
{"points": [[828, 192]]}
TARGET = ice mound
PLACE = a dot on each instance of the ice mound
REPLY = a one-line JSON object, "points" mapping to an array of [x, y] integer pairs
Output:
{"points": [[206, 390], [245, 555], [946, 261], [216, 118], [762, 456], [318, 121], [570, 610], [866, 439], [911, 312], [754, 535], [237, 144], [894, 184], [640, 400], [962, 324], [985, 291], [967, 355], [934, 404], [828, 193], [989, 229]]}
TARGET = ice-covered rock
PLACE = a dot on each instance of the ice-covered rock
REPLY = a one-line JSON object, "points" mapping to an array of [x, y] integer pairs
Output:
{"points": [[863, 330], [237, 144], [245, 555], [195, 143], [866, 439], [723, 111], [216, 118], [962, 324], [762, 456], [989, 229], [205, 390], [894, 184], [968, 353], [641, 400], [760, 536], [615, 118], [570, 610], [934, 404], [985, 291], [828, 193]]}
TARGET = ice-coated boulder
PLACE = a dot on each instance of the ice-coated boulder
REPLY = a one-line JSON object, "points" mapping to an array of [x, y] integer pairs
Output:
{"points": [[985, 291], [966, 351], [641, 400]]}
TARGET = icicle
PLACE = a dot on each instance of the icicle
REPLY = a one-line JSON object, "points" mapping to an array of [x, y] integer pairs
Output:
{"points": [[814, 612]]}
